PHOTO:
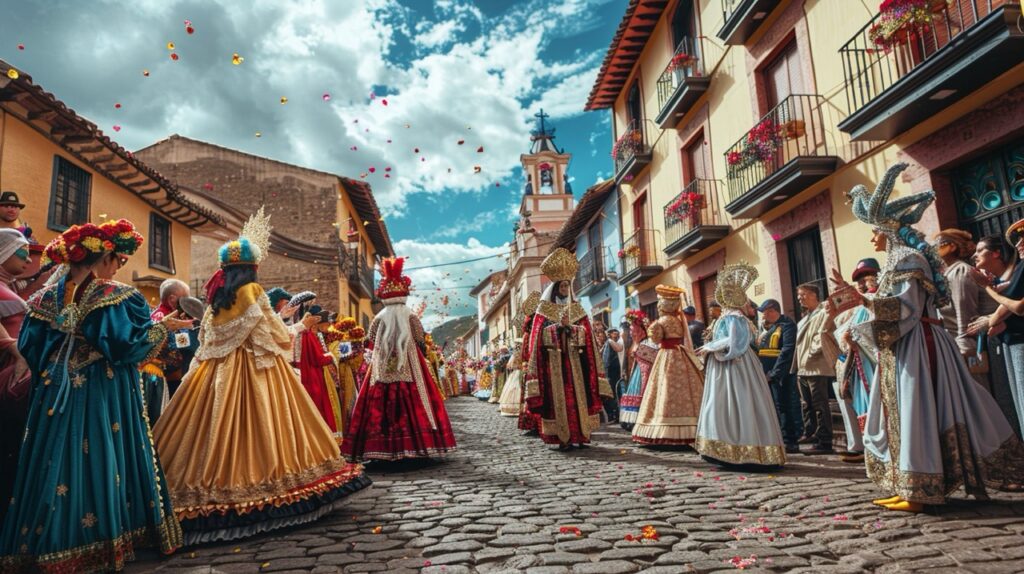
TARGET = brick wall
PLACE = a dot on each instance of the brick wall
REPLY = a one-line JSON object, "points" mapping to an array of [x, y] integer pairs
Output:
{"points": [[301, 202]]}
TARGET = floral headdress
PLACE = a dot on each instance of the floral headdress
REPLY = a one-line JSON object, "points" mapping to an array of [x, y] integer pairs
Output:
{"points": [[122, 236], [635, 316]]}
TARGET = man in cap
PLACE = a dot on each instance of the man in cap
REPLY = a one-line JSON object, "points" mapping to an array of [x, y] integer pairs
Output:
{"points": [[10, 213], [695, 325], [775, 347]]}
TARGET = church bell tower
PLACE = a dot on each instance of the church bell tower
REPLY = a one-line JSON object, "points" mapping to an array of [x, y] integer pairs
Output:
{"points": [[547, 196]]}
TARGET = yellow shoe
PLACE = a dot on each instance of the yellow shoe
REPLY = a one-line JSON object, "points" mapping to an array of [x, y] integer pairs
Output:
{"points": [[906, 506], [885, 501]]}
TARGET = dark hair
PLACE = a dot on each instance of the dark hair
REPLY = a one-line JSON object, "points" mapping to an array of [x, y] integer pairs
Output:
{"points": [[91, 258], [996, 243], [811, 288], [235, 277]]}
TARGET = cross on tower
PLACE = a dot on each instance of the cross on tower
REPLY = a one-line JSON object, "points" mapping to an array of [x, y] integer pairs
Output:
{"points": [[541, 116]]}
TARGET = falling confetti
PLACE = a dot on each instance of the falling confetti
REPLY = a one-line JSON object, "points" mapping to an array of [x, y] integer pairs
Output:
{"points": [[145, 73], [259, 134], [354, 148], [21, 46], [476, 169], [284, 100], [462, 142], [117, 128], [416, 150], [236, 59], [188, 27], [384, 102], [170, 45], [373, 170], [12, 74], [117, 106], [174, 57], [326, 97], [480, 149]]}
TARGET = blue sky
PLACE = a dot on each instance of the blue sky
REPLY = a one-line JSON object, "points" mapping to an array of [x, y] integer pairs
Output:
{"points": [[450, 70]]}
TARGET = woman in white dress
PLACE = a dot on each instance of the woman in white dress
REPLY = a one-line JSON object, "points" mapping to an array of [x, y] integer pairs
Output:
{"points": [[509, 403], [738, 424]]}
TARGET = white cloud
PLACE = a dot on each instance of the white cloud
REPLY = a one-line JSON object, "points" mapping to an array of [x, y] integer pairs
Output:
{"points": [[432, 284]]}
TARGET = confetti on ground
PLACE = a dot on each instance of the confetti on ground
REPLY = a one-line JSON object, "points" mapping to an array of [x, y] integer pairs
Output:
{"points": [[742, 563], [378, 529]]}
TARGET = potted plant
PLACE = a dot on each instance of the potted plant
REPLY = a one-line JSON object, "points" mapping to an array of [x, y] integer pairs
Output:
{"points": [[901, 20]]}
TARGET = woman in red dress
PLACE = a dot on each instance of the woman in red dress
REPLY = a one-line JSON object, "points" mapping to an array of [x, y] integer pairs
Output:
{"points": [[399, 412]]}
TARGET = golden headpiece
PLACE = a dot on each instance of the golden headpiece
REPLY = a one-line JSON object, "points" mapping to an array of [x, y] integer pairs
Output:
{"points": [[733, 282], [560, 265], [669, 291]]}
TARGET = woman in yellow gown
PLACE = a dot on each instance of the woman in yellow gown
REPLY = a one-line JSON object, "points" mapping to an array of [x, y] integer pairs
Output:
{"points": [[243, 447], [345, 341]]}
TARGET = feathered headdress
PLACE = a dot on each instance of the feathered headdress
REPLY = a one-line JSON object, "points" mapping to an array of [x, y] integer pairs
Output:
{"points": [[392, 283], [252, 245], [876, 209], [733, 282]]}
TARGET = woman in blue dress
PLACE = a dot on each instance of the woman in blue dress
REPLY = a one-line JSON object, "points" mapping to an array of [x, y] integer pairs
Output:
{"points": [[89, 489]]}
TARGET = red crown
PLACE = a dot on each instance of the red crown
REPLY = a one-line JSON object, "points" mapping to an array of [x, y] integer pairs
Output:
{"points": [[392, 282]]}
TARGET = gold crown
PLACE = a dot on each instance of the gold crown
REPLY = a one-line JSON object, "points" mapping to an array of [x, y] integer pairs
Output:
{"points": [[669, 291], [560, 265], [733, 282]]}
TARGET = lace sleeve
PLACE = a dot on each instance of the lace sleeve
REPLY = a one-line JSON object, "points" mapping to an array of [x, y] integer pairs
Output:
{"points": [[417, 330]]}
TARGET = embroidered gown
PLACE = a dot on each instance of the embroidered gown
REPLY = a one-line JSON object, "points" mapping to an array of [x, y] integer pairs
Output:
{"points": [[671, 401], [855, 368], [350, 359], [565, 378], [510, 403], [319, 376], [399, 413], [629, 403], [931, 428], [89, 488], [738, 423], [245, 448]]}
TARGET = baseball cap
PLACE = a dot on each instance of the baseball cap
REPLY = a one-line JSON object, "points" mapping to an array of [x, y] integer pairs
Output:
{"points": [[769, 304]]}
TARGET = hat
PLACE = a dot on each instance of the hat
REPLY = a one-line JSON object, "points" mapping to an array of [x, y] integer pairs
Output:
{"points": [[300, 298], [192, 307], [276, 295], [689, 310], [393, 284], [769, 304], [867, 266], [1014, 232], [10, 198], [733, 282], [122, 236], [560, 265], [252, 244]]}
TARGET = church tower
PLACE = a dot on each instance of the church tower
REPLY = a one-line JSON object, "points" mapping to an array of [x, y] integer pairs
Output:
{"points": [[547, 204], [547, 196]]}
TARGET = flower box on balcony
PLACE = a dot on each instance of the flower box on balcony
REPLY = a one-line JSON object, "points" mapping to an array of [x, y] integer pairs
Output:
{"points": [[793, 129]]}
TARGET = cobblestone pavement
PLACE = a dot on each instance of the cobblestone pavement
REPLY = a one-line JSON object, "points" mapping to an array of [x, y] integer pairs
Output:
{"points": [[507, 503]]}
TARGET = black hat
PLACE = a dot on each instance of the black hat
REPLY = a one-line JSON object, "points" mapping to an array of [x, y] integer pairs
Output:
{"points": [[770, 304], [10, 198], [689, 310]]}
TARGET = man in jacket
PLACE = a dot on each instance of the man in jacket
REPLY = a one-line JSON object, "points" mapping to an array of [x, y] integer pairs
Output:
{"points": [[815, 366], [775, 347], [695, 325]]}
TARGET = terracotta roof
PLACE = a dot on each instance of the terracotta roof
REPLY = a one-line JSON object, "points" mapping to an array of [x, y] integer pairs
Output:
{"points": [[588, 205], [81, 138], [627, 45]]}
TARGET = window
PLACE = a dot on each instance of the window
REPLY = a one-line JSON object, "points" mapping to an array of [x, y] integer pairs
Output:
{"points": [[353, 307], [69, 195], [602, 312], [634, 107], [782, 76], [693, 161], [160, 244], [989, 191], [683, 22]]}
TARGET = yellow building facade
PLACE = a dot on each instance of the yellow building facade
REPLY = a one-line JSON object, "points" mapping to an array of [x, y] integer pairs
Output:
{"points": [[66, 171], [741, 124]]}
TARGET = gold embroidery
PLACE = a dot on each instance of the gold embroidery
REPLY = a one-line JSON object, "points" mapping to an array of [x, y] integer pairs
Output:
{"points": [[62, 489], [105, 555], [769, 455], [115, 427], [886, 308], [85, 445], [885, 333], [78, 380], [89, 520]]}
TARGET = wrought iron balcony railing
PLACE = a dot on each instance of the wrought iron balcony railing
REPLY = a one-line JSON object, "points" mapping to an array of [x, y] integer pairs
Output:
{"points": [[950, 48], [794, 129], [631, 151], [641, 256], [682, 82], [696, 208], [591, 270]]}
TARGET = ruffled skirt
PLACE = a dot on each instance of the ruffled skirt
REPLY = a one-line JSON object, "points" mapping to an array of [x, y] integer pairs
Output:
{"points": [[671, 401], [510, 403]]}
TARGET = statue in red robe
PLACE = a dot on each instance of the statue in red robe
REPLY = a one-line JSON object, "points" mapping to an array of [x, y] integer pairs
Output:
{"points": [[565, 379]]}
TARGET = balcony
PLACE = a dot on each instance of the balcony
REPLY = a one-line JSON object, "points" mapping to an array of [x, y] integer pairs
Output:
{"points": [[693, 219], [741, 18], [359, 275], [682, 83], [631, 152], [782, 155], [895, 83], [591, 274], [640, 257]]}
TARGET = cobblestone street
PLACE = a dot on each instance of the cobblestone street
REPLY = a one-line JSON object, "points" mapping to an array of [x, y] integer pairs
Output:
{"points": [[507, 503]]}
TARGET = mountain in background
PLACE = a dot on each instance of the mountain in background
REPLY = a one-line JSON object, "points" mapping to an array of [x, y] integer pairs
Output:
{"points": [[451, 329]]}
